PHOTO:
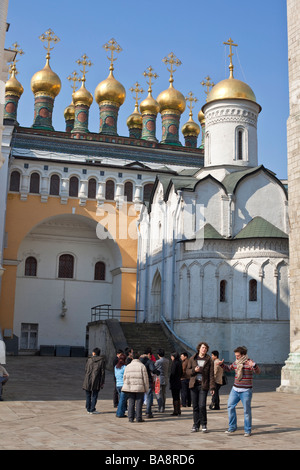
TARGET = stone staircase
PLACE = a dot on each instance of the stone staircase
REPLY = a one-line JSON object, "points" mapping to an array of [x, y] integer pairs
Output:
{"points": [[143, 335]]}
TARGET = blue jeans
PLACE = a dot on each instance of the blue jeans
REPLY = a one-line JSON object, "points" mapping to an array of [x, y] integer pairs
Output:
{"points": [[91, 400], [233, 399], [122, 404]]}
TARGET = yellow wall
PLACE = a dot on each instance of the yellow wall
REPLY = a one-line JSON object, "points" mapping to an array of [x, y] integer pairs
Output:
{"points": [[23, 216]]}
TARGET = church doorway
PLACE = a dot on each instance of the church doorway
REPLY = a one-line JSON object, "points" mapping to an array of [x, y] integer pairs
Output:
{"points": [[156, 298]]}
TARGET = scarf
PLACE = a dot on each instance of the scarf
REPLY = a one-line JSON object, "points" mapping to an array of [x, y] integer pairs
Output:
{"points": [[239, 366]]}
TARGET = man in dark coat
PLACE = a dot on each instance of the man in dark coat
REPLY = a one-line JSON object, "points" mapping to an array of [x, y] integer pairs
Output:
{"points": [[94, 379]]}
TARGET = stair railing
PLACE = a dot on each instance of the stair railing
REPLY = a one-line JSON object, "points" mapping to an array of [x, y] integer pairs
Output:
{"points": [[175, 335], [105, 312]]}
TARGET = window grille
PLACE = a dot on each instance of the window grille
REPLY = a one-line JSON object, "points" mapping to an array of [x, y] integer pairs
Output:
{"points": [[99, 271], [66, 267]]}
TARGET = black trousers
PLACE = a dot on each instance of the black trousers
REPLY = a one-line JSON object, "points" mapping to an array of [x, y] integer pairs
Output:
{"points": [[185, 393], [199, 397]]}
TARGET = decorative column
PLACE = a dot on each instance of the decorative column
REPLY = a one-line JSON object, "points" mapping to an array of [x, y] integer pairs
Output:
{"points": [[45, 86], [134, 121], [82, 100], [190, 129], [149, 109]]}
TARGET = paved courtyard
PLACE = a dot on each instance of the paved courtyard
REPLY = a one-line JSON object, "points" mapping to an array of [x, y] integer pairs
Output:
{"points": [[44, 409]]}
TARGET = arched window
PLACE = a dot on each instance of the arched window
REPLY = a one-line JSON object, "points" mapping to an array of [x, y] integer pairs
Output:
{"points": [[34, 183], [30, 266], [92, 188], [128, 191], [73, 186], [66, 266], [110, 190], [240, 138], [147, 191], [223, 285], [99, 274], [14, 184], [54, 185], [252, 290]]}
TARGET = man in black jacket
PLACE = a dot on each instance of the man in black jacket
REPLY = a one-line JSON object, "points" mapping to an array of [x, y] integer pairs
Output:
{"points": [[150, 366], [94, 379]]}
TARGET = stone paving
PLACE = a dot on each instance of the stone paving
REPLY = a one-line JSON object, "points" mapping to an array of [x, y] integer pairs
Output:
{"points": [[44, 409]]}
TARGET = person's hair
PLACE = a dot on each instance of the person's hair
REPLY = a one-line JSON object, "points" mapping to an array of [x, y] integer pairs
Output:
{"points": [[215, 353], [175, 355], [241, 349], [127, 351], [136, 355], [161, 352], [185, 353], [121, 361], [120, 351], [148, 351], [97, 351], [200, 344]]}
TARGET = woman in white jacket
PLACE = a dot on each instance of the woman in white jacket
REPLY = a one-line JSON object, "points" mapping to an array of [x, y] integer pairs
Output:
{"points": [[135, 384]]}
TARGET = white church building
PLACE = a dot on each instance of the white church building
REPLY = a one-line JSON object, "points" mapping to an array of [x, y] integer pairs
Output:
{"points": [[213, 241]]}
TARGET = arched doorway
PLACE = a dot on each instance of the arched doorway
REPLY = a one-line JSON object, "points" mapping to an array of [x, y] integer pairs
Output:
{"points": [[155, 312]]}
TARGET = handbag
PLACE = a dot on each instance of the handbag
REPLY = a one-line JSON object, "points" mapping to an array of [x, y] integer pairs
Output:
{"points": [[157, 385]]}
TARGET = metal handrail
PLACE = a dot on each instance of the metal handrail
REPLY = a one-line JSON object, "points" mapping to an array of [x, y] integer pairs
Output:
{"points": [[105, 312]]}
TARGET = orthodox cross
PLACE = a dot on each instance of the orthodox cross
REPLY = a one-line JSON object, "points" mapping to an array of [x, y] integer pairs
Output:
{"points": [[230, 43], [208, 84], [192, 99], [172, 60], [112, 46], [136, 90], [149, 73], [18, 51], [49, 37], [85, 63], [73, 78]]}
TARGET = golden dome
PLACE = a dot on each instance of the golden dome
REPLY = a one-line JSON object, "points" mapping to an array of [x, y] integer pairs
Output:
{"points": [[13, 86], [231, 88], [135, 120], [171, 99], [149, 105], [190, 128], [201, 117], [69, 112], [110, 90], [46, 81], [82, 96]]}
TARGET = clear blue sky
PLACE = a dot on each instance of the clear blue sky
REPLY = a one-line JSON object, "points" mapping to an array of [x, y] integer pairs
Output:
{"points": [[148, 31]]}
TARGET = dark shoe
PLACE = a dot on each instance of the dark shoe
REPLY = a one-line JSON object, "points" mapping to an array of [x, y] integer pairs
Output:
{"points": [[149, 415], [194, 429], [130, 420], [140, 420]]}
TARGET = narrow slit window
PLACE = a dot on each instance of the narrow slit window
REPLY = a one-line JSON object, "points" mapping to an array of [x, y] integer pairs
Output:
{"points": [[73, 188], [14, 181], [110, 190], [223, 285], [54, 185], [34, 183], [240, 144], [92, 188], [128, 191], [252, 290]]}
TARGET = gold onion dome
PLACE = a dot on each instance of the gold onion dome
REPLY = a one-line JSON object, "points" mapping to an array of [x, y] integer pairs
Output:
{"points": [[13, 86], [231, 88], [201, 117], [149, 105], [171, 99], [69, 112], [110, 90], [46, 82], [190, 128], [135, 120], [82, 96]]}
